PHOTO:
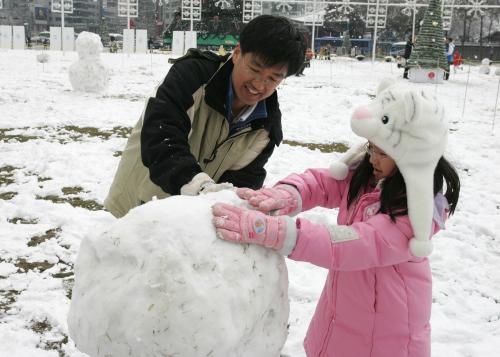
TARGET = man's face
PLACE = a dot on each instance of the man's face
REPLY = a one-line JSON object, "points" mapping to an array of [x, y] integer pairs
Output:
{"points": [[252, 81]]}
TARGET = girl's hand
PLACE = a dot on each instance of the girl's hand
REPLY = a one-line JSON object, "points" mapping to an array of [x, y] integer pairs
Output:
{"points": [[279, 200], [240, 225]]}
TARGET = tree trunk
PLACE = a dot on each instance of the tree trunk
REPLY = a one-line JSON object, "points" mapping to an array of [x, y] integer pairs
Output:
{"points": [[489, 30], [481, 49], [465, 28]]}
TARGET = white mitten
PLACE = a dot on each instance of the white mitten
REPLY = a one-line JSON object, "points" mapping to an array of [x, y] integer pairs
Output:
{"points": [[202, 183], [216, 187]]}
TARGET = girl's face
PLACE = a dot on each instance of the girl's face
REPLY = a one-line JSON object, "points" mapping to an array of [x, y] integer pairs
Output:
{"points": [[383, 164]]}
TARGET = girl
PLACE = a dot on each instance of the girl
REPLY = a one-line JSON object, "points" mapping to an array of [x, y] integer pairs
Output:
{"points": [[377, 299]]}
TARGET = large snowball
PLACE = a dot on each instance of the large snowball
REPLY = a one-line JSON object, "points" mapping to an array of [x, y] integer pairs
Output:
{"points": [[88, 73], [158, 282]]}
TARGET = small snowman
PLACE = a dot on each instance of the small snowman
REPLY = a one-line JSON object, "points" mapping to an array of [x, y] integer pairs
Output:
{"points": [[485, 66], [88, 73]]}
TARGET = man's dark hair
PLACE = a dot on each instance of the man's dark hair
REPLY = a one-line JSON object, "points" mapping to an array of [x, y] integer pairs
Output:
{"points": [[274, 40]]}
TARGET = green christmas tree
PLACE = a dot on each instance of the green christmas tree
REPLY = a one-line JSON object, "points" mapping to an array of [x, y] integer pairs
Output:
{"points": [[428, 50]]}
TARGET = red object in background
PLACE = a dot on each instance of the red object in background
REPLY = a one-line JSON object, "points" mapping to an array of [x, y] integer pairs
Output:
{"points": [[431, 75], [457, 59], [132, 24]]}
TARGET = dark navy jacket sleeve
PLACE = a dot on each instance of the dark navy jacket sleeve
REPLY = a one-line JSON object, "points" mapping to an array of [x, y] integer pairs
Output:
{"points": [[164, 137]]}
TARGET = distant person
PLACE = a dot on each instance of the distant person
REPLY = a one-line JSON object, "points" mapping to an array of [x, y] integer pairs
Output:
{"points": [[213, 122], [450, 49], [406, 56], [457, 61], [221, 51], [150, 44], [307, 63]]}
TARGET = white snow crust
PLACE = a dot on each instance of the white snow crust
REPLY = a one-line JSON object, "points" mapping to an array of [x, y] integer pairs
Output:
{"points": [[159, 282]]}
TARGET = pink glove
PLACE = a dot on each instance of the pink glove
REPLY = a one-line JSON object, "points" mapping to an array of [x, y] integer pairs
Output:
{"points": [[240, 225], [279, 200]]}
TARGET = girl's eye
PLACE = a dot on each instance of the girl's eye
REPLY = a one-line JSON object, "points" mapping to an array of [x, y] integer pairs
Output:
{"points": [[385, 119]]}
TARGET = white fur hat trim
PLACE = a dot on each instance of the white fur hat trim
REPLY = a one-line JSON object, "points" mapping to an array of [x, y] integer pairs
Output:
{"points": [[339, 169]]}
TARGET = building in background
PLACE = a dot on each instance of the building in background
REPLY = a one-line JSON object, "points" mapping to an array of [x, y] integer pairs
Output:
{"points": [[36, 15]]}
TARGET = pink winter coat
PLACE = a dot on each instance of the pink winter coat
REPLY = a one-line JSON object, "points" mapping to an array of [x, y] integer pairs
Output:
{"points": [[377, 298]]}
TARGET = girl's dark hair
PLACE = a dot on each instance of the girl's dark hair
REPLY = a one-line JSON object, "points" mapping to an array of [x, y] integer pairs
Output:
{"points": [[274, 40], [393, 190]]}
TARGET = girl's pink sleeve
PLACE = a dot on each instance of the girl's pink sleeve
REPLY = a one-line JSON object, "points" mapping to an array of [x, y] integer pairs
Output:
{"points": [[317, 188], [376, 242]]}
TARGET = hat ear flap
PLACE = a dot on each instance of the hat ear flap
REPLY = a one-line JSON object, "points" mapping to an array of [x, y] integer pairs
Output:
{"points": [[384, 84]]}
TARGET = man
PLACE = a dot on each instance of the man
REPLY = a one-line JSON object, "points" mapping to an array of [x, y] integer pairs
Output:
{"points": [[214, 121], [449, 48], [406, 56]]}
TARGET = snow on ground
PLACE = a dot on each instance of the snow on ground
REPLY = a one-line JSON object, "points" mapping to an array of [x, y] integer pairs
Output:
{"points": [[59, 150]]}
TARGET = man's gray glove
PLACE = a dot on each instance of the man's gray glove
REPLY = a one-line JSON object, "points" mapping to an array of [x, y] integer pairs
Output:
{"points": [[202, 183]]}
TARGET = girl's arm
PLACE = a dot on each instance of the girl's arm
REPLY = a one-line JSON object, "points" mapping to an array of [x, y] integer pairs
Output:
{"points": [[376, 242], [318, 188]]}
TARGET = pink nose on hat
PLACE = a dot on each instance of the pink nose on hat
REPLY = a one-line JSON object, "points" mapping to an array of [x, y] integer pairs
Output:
{"points": [[362, 113]]}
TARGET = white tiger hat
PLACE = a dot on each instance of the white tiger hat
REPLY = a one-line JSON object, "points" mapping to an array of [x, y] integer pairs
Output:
{"points": [[409, 125]]}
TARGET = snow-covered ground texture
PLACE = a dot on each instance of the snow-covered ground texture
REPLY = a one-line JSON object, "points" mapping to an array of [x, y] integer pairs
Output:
{"points": [[157, 284], [60, 148]]}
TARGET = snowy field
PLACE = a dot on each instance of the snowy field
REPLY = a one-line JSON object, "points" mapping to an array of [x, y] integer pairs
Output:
{"points": [[59, 151]]}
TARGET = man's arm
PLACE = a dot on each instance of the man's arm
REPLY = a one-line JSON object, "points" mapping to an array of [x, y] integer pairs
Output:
{"points": [[252, 175], [164, 138]]}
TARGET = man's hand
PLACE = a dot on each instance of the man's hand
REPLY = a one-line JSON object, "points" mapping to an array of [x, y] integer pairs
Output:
{"points": [[216, 187], [202, 183], [279, 200]]}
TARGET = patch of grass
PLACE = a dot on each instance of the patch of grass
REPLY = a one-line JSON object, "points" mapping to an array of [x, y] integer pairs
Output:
{"points": [[326, 148], [63, 274], [8, 195], [25, 266], [71, 190], [119, 131], [4, 136], [68, 286], [43, 179], [57, 345], [73, 201], [51, 233], [21, 220], [6, 175], [7, 298], [88, 131], [41, 326]]}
